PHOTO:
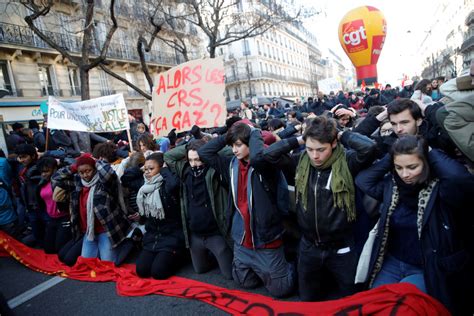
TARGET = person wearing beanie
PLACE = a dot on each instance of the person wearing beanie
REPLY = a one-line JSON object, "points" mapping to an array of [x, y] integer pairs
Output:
{"points": [[16, 137], [98, 222]]}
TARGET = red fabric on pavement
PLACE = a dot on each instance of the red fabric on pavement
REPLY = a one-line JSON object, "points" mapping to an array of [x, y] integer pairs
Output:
{"points": [[395, 299]]}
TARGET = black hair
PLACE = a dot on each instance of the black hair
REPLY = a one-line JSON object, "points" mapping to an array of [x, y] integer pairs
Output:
{"points": [[26, 149], [47, 163], [409, 145], [106, 150], [231, 120], [275, 124], [321, 129], [157, 157], [310, 99], [238, 132], [195, 144], [400, 105], [33, 124], [375, 110]]}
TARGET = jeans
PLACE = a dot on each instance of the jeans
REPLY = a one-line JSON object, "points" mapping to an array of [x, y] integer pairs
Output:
{"points": [[252, 266], [216, 244], [396, 271], [314, 261], [100, 247]]}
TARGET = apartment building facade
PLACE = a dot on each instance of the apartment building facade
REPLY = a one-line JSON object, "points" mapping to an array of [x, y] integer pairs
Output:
{"points": [[31, 71], [284, 61]]}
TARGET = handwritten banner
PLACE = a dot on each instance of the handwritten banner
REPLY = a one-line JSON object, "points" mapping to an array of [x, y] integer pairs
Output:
{"points": [[105, 114], [189, 94]]}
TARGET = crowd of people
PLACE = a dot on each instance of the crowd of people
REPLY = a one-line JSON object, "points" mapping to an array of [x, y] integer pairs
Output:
{"points": [[383, 183]]}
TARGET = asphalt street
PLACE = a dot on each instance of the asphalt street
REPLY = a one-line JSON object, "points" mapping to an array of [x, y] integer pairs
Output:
{"points": [[71, 297]]}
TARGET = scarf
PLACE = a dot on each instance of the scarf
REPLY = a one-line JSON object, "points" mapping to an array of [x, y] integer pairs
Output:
{"points": [[342, 183], [90, 205], [148, 198]]}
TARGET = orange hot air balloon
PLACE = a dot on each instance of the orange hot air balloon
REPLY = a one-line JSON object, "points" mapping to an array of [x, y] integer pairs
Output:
{"points": [[362, 34]]}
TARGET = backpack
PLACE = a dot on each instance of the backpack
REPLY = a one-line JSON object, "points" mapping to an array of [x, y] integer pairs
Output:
{"points": [[5, 198]]}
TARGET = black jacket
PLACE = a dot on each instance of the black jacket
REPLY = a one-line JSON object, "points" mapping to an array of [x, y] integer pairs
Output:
{"points": [[266, 219], [445, 256], [28, 187], [323, 222], [166, 234]]}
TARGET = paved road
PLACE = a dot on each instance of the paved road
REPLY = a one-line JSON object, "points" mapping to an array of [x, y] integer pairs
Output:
{"points": [[71, 297]]}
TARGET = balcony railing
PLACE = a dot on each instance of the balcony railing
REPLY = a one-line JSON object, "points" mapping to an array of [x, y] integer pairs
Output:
{"points": [[255, 75], [50, 91], [24, 36], [105, 92]]}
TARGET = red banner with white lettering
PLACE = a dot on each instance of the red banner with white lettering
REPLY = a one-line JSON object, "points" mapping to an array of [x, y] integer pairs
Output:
{"points": [[395, 299]]}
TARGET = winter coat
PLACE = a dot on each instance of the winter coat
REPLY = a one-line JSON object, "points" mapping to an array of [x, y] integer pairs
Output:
{"points": [[166, 234], [132, 180], [444, 254], [323, 222], [82, 141], [29, 182], [265, 218], [106, 206], [216, 188], [15, 139]]}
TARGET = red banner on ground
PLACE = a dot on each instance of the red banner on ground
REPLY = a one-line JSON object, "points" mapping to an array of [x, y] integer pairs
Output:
{"points": [[396, 299]]}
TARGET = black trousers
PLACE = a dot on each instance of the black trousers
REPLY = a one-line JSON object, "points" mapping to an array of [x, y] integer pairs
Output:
{"points": [[57, 234], [159, 265], [69, 253], [314, 261]]}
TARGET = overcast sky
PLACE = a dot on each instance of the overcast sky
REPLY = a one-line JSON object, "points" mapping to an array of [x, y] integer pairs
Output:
{"points": [[407, 24]]}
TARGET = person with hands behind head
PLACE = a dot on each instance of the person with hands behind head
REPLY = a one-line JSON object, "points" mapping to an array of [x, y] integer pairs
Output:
{"points": [[255, 219], [204, 198], [159, 207], [95, 211], [325, 203], [422, 237]]}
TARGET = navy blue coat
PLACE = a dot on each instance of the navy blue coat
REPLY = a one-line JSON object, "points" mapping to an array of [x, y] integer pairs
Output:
{"points": [[445, 256]]}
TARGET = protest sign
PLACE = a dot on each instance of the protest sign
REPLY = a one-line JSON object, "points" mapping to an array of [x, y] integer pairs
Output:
{"points": [[105, 114], [189, 94], [328, 85]]}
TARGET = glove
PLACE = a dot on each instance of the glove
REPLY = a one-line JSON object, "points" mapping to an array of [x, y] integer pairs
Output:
{"points": [[196, 132]]}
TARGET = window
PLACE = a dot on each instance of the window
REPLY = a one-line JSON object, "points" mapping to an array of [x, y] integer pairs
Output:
{"points": [[131, 78], [245, 48], [5, 82], [46, 82], [74, 81], [258, 47], [104, 84]]}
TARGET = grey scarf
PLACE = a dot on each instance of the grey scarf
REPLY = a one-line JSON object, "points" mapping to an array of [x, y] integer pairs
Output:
{"points": [[148, 198], [90, 205]]}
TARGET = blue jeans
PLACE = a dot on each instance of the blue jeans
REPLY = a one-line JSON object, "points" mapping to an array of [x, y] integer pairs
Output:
{"points": [[396, 271], [100, 247]]}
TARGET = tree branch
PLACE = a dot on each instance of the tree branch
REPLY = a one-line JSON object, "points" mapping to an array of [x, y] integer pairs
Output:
{"points": [[103, 53], [37, 12], [128, 83]]}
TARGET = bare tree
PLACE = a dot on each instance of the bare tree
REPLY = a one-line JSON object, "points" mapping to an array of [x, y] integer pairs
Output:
{"points": [[223, 21], [84, 62]]}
